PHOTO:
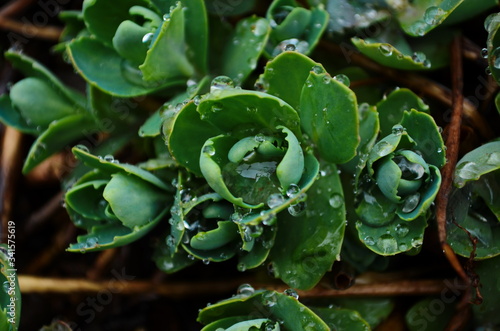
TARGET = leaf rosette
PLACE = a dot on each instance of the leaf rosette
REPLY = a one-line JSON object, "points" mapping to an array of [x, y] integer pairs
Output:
{"points": [[397, 183], [147, 45], [116, 203], [247, 148]]}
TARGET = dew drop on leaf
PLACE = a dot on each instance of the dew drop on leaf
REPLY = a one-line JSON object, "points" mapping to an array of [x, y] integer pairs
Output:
{"points": [[291, 293], [206, 261], [290, 47], [411, 202], [484, 53], [270, 297], [336, 201], [292, 190], [317, 69], [433, 15], [166, 17], [297, 209], [418, 57], [369, 241], [241, 267], [109, 158], [342, 79], [209, 149], [385, 49], [387, 244], [416, 242], [245, 290], [82, 148], [148, 37], [275, 200], [398, 129], [402, 230], [220, 83], [493, 159]]}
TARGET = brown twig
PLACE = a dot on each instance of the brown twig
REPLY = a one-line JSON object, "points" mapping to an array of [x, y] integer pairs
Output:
{"points": [[9, 171], [32, 284], [452, 147], [417, 83], [14, 7], [24, 30]]}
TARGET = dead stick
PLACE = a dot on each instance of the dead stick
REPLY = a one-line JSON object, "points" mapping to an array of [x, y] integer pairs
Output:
{"points": [[50, 33], [9, 165], [32, 284], [14, 7]]}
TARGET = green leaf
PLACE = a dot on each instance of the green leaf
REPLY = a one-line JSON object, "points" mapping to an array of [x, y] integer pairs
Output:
{"points": [[196, 30], [260, 250], [317, 233], [342, 319], [285, 76], [423, 130], [85, 199], [236, 110], [421, 16], [10, 116], [234, 323], [102, 17], [396, 237], [30, 68], [33, 97], [244, 48], [120, 78], [373, 310], [168, 263], [166, 59], [417, 317], [392, 108], [478, 162], [225, 233], [468, 9], [111, 235], [178, 128], [127, 35], [329, 116], [387, 55], [265, 304], [134, 201], [486, 314], [60, 133], [11, 293], [114, 166]]}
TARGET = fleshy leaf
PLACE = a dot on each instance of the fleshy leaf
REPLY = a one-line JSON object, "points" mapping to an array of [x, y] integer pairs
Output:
{"points": [[265, 304], [421, 16], [166, 59], [225, 233], [120, 78], [486, 314], [245, 47], [134, 201], [86, 199], [417, 319], [236, 323], [391, 109], [285, 76], [329, 116], [317, 236], [342, 319], [10, 116], [60, 133], [168, 263], [478, 162]]}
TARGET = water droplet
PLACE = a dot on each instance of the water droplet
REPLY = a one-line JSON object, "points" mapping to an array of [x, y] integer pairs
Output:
{"points": [[220, 83], [260, 137], [216, 107], [317, 69], [191, 257], [369, 241], [398, 129], [383, 148], [466, 171], [297, 209], [495, 58], [411, 202], [290, 47], [275, 200], [418, 57], [309, 83], [487, 71], [484, 53], [245, 290], [82, 148], [342, 79], [148, 37], [385, 49], [416, 242], [433, 15], [270, 298], [336, 201], [197, 100], [166, 17], [387, 244], [206, 261], [402, 230], [493, 159], [292, 190], [242, 267], [259, 28], [291, 293], [209, 149], [427, 63], [109, 158]]}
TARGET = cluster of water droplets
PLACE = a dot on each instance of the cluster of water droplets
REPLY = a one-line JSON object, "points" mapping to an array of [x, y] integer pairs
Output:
{"points": [[292, 44]]}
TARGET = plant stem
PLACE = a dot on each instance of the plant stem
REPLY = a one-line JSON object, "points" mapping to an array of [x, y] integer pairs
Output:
{"points": [[27, 31]]}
